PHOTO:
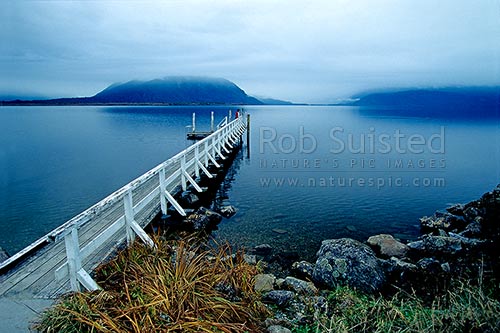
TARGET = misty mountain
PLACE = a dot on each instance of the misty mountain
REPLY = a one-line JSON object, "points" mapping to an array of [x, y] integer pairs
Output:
{"points": [[471, 101], [176, 90]]}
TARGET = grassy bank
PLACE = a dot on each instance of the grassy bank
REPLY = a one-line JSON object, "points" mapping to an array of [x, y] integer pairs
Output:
{"points": [[463, 308], [183, 287]]}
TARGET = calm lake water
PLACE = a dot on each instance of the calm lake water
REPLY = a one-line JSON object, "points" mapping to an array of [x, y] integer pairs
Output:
{"points": [[313, 172]]}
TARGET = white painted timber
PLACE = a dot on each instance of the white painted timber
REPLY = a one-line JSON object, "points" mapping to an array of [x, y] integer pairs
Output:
{"points": [[64, 257]]}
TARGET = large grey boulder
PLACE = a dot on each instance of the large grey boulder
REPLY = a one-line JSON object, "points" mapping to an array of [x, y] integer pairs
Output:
{"points": [[348, 262]]}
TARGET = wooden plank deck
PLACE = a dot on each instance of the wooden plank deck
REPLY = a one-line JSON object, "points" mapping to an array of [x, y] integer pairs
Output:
{"points": [[35, 276], [198, 135]]}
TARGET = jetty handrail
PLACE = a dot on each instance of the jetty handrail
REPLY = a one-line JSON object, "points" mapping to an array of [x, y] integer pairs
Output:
{"points": [[222, 123], [181, 168], [155, 187], [82, 218]]}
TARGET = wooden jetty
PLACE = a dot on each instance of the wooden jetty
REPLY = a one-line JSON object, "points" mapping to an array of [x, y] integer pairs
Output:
{"points": [[64, 259]]}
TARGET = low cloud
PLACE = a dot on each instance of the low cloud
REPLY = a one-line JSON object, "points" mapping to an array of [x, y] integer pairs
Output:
{"points": [[304, 52]]}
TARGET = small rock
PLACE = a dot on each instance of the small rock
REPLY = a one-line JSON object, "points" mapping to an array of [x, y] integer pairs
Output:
{"points": [[228, 291], [473, 229], [277, 320], [446, 267], [387, 246], [351, 228], [441, 245], [303, 269], [263, 249], [320, 304], [280, 231], [396, 264], [300, 286], [188, 199], [437, 245], [227, 211], [264, 282], [416, 246], [300, 317], [456, 209], [442, 233], [444, 221], [430, 265], [279, 297], [203, 219], [279, 283], [278, 329], [471, 213], [469, 242], [399, 272], [250, 259]]}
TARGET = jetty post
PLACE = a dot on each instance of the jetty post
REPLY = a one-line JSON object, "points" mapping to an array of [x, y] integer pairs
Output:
{"points": [[248, 135], [193, 127], [211, 121]]}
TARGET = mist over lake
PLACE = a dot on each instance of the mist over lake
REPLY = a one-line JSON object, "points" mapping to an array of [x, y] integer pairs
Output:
{"points": [[325, 172]]}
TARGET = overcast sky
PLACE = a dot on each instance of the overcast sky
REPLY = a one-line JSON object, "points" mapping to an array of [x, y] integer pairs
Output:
{"points": [[303, 51]]}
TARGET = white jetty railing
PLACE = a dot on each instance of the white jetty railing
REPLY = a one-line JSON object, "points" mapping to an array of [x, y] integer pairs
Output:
{"points": [[141, 198]]}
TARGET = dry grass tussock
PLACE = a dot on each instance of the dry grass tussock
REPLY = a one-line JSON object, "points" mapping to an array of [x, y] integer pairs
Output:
{"points": [[179, 287]]}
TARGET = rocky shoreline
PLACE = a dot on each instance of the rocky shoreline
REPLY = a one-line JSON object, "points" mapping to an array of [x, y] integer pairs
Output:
{"points": [[459, 243], [383, 283]]}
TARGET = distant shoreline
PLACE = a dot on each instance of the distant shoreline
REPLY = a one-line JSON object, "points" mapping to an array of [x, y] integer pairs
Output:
{"points": [[48, 103], [31, 103]]}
